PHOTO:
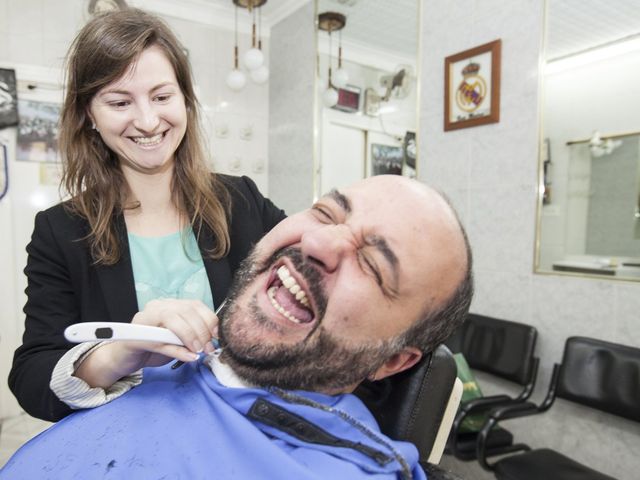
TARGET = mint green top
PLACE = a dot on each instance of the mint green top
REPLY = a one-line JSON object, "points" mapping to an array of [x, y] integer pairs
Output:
{"points": [[165, 268]]}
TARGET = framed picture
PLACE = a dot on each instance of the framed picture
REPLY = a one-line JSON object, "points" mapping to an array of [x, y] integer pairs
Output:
{"points": [[4, 170], [8, 98], [472, 87], [37, 131], [410, 149]]}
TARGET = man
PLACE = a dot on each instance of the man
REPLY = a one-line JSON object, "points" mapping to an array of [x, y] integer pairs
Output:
{"points": [[359, 286]]}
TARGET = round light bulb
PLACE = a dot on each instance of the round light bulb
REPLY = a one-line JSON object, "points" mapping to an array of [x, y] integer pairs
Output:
{"points": [[330, 97], [260, 75], [253, 58], [340, 78], [236, 80]]}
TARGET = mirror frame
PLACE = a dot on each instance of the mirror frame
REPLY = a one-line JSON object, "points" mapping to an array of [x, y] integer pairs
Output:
{"points": [[540, 184]]}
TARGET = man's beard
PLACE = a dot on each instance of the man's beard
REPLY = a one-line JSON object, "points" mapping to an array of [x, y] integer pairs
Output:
{"points": [[320, 362]]}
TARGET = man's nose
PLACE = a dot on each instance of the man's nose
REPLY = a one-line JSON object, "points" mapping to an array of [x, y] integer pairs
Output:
{"points": [[328, 245], [146, 119]]}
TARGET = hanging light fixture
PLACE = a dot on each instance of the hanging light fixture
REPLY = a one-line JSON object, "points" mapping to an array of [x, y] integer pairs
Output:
{"points": [[260, 75], [236, 79], [253, 58], [340, 77], [331, 22]]}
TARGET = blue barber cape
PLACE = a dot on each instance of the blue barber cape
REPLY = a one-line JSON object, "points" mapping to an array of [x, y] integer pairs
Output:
{"points": [[184, 424]]}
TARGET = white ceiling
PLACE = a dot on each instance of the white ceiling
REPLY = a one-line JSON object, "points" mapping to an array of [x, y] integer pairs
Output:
{"points": [[390, 26], [578, 25]]}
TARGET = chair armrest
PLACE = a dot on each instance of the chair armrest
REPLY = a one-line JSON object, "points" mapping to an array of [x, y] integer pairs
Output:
{"points": [[483, 404], [513, 410], [504, 412]]}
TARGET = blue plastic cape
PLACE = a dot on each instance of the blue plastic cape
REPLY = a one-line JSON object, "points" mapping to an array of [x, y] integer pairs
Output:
{"points": [[183, 424]]}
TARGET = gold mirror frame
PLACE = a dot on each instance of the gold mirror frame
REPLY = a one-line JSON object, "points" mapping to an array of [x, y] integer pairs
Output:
{"points": [[624, 264]]}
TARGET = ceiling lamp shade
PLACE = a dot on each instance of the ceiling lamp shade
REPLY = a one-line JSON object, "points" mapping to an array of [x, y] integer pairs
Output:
{"points": [[330, 97], [259, 75], [236, 80], [253, 58]]}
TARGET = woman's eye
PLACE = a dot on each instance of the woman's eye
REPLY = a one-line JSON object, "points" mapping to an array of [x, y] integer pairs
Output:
{"points": [[163, 98], [119, 104]]}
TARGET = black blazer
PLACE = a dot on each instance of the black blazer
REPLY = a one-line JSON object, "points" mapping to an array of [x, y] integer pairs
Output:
{"points": [[65, 288]]}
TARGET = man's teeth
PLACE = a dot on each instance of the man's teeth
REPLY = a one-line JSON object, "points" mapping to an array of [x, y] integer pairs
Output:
{"points": [[148, 141], [272, 296], [290, 284]]}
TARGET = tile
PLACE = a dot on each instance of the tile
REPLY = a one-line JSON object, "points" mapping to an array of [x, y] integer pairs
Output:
{"points": [[501, 227]]}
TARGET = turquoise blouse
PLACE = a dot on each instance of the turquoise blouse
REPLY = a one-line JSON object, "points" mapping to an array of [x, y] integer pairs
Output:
{"points": [[167, 267]]}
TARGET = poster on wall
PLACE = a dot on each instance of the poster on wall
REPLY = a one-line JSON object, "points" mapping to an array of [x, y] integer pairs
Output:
{"points": [[8, 98], [386, 159], [410, 151], [38, 131]]}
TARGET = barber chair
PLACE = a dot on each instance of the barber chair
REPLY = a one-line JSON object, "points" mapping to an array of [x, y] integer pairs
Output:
{"points": [[503, 349], [417, 405], [601, 375]]}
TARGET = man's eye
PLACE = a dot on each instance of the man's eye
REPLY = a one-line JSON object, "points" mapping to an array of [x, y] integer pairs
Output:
{"points": [[369, 265], [323, 213]]}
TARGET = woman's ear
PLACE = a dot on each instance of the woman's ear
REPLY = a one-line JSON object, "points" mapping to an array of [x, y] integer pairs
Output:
{"points": [[403, 360], [93, 122]]}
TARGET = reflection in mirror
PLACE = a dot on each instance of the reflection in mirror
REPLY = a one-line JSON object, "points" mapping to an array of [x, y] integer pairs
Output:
{"points": [[588, 210], [366, 99]]}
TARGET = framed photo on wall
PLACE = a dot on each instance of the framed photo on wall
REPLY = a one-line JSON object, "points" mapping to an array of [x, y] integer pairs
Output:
{"points": [[472, 87], [37, 131], [8, 98]]}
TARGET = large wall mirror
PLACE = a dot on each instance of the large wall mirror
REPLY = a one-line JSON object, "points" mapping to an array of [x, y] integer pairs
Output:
{"points": [[366, 95], [589, 191]]}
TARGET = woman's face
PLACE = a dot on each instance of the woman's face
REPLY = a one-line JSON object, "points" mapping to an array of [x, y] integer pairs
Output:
{"points": [[142, 116]]}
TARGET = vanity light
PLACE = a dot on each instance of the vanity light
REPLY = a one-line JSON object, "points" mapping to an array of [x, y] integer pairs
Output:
{"points": [[331, 22]]}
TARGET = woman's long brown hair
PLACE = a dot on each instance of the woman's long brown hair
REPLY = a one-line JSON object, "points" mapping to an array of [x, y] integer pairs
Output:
{"points": [[101, 53]]}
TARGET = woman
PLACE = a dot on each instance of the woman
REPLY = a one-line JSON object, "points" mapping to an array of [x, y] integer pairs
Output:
{"points": [[145, 220]]}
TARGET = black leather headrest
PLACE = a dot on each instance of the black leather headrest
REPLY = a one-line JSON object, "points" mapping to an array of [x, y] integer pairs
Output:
{"points": [[409, 405], [499, 347], [601, 375]]}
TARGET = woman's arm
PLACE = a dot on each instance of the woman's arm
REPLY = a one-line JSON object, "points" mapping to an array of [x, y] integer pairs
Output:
{"points": [[51, 306]]}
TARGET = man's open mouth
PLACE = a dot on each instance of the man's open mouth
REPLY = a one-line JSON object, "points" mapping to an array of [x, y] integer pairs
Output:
{"points": [[288, 297]]}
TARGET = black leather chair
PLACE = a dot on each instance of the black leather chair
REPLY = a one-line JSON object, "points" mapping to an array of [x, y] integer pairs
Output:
{"points": [[419, 404], [595, 373], [504, 349]]}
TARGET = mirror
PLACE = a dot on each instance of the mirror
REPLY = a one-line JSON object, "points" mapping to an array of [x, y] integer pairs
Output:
{"points": [[589, 188], [366, 95]]}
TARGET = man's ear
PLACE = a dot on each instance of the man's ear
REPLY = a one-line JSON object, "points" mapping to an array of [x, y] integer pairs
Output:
{"points": [[403, 360]]}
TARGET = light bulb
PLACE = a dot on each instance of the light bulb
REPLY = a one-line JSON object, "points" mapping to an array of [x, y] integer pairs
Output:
{"points": [[340, 78], [253, 58], [330, 97], [236, 79], [260, 75]]}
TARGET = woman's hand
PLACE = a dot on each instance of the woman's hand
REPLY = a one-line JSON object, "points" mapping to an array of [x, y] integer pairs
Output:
{"points": [[192, 322]]}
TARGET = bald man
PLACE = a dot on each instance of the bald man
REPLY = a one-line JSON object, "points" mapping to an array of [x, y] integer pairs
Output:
{"points": [[359, 286]]}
